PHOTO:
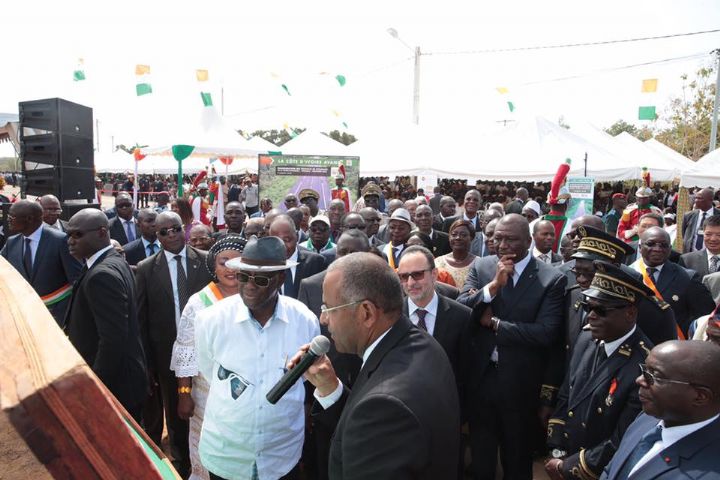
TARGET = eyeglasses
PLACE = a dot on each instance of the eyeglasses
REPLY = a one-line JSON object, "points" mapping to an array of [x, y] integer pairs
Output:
{"points": [[166, 230], [324, 309], [652, 244], [651, 379], [261, 281], [417, 276], [76, 234], [600, 310]]}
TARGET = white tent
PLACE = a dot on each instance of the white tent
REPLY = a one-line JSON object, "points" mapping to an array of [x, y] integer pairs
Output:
{"points": [[680, 160], [705, 174], [123, 162], [312, 142], [260, 143], [658, 164]]}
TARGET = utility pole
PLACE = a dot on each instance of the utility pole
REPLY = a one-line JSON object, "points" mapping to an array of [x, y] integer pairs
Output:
{"points": [[713, 129], [416, 89]]}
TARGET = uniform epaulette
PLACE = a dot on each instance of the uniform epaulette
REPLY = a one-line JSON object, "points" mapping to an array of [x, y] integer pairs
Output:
{"points": [[642, 345], [625, 350], [662, 304]]}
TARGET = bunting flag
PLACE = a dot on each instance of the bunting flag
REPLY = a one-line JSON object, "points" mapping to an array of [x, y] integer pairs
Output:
{"points": [[202, 77], [341, 80], [79, 73], [505, 91], [287, 90], [648, 90], [143, 86], [289, 130]]}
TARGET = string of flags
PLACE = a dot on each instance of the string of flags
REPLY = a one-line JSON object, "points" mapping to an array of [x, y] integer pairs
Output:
{"points": [[505, 91], [202, 77], [143, 86], [648, 92]]}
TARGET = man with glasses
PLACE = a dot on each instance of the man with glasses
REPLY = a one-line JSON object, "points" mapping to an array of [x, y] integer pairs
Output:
{"points": [[446, 320], [680, 287], [678, 435], [243, 344], [40, 254], [707, 259], [123, 226], [164, 283], [201, 237], [599, 398], [102, 319]]}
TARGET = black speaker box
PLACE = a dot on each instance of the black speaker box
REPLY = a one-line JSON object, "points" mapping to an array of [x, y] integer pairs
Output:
{"points": [[70, 209], [57, 115]]}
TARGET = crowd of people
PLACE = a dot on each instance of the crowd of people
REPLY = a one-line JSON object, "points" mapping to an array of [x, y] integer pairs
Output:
{"points": [[501, 329]]}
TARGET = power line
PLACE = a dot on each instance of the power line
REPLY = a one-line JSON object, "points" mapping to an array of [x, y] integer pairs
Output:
{"points": [[568, 45]]}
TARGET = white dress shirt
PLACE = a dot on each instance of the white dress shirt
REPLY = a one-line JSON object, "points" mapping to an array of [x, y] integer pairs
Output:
{"points": [[548, 256], [471, 220], [430, 316], [172, 267], [129, 224], [670, 436], [147, 242], [34, 242], [699, 227], [57, 225], [610, 347], [246, 433], [293, 269], [94, 257], [519, 268]]}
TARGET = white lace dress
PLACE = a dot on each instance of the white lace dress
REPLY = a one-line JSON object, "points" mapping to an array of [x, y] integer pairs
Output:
{"points": [[184, 363]]}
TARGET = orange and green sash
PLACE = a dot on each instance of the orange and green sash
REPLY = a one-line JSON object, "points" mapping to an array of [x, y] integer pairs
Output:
{"points": [[651, 285], [57, 296]]}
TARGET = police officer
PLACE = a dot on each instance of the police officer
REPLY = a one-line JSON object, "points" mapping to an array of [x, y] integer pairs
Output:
{"points": [[599, 398]]}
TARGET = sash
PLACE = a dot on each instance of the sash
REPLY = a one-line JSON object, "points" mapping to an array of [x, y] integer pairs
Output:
{"points": [[389, 253], [639, 265], [211, 294], [57, 296]]}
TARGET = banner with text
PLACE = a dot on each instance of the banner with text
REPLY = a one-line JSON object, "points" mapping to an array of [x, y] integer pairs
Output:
{"points": [[582, 190]]}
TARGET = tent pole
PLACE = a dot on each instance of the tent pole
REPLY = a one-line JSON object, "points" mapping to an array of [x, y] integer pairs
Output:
{"points": [[713, 128], [585, 171]]}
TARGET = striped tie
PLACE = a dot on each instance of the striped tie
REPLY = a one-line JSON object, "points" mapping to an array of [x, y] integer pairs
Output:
{"points": [[182, 287]]}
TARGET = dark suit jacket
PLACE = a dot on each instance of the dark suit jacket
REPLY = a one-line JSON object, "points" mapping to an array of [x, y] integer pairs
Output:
{"points": [[401, 419], [531, 317], [450, 220], [689, 227], [684, 291], [694, 456], [53, 267], [102, 325], [515, 206], [135, 251], [329, 256], [156, 309], [697, 261], [630, 259], [441, 243], [63, 226], [309, 264], [596, 425], [435, 203], [452, 332], [447, 290], [117, 230], [437, 222]]}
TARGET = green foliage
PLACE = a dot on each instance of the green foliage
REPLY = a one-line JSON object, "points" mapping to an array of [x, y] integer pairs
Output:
{"points": [[344, 137], [279, 137]]}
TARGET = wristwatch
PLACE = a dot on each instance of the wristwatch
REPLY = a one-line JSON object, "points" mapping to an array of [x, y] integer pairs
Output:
{"points": [[557, 453], [495, 323]]}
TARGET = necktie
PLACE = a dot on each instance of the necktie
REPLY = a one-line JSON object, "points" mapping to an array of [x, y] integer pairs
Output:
{"points": [[27, 257], [600, 356], [182, 286], [699, 237], [643, 446], [421, 318], [713, 264], [396, 255], [543, 258], [130, 231], [651, 273], [151, 249], [289, 285]]}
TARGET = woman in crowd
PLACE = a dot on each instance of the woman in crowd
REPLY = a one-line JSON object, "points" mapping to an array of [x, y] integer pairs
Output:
{"points": [[193, 388], [458, 262], [182, 207]]}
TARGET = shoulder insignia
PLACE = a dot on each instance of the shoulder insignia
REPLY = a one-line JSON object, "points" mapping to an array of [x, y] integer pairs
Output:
{"points": [[625, 350], [663, 305], [642, 345]]}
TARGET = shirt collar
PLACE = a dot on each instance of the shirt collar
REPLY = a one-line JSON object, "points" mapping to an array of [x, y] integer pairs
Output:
{"points": [[537, 253], [710, 255], [294, 256], [280, 310], [148, 242], [430, 308], [707, 212], [671, 435], [471, 220], [35, 236], [371, 347], [610, 347], [94, 257], [520, 266], [171, 256]]}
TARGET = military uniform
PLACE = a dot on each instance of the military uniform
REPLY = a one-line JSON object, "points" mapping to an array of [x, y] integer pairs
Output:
{"points": [[631, 217], [599, 398]]}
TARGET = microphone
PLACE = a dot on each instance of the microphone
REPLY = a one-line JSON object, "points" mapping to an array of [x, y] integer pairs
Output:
{"points": [[319, 346]]}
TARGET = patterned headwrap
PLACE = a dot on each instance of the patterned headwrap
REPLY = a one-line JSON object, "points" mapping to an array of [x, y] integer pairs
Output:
{"points": [[228, 242]]}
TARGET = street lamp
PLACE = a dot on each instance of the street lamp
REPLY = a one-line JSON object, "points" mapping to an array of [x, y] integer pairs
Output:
{"points": [[416, 83]]}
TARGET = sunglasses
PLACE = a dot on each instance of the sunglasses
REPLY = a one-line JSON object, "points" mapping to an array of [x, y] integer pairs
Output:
{"points": [[418, 275], [166, 230], [259, 280], [600, 310], [651, 379], [76, 234]]}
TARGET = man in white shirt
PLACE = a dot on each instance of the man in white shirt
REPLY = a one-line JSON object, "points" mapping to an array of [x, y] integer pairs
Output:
{"points": [[680, 387], [543, 233], [243, 344], [51, 212]]}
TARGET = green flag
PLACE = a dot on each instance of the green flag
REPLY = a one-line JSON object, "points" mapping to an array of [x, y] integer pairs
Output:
{"points": [[181, 152], [646, 113], [143, 89], [285, 87], [511, 106], [78, 75], [206, 98], [341, 79]]}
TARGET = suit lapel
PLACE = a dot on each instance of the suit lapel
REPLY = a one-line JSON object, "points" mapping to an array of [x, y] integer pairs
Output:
{"points": [[666, 277], [394, 335], [441, 320], [163, 273], [193, 261], [299, 270], [526, 279], [40, 253]]}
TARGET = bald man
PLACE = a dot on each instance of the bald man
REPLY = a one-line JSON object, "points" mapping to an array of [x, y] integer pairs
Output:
{"points": [[102, 320], [40, 253], [678, 435]]}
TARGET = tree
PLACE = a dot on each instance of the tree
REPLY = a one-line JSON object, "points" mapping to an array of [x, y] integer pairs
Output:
{"points": [[278, 137], [621, 126], [344, 137]]}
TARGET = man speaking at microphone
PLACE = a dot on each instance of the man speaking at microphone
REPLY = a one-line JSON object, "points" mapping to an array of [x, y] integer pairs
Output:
{"points": [[243, 344], [401, 419]]}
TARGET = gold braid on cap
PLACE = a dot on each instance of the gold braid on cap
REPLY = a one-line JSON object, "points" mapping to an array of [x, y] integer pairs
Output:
{"points": [[598, 245], [616, 288]]}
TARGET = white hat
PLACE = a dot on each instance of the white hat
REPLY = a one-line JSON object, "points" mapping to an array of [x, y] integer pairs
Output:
{"points": [[402, 215], [534, 206]]}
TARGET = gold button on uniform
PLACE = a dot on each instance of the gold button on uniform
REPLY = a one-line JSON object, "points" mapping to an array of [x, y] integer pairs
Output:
{"points": [[570, 414]]}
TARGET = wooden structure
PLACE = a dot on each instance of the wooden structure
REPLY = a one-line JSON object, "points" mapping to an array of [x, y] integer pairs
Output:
{"points": [[66, 416]]}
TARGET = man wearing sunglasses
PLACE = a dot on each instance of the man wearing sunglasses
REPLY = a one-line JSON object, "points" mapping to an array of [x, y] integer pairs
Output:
{"points": [[164, 282], [252, 335], [599, 398], [678, 435], [123, 227]]}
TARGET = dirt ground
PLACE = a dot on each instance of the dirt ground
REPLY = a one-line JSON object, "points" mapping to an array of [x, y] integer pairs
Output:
{"points": [[17, 461]]}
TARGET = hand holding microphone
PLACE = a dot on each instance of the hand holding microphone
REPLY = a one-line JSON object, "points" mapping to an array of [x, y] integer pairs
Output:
{"points": [[311, 361]]}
